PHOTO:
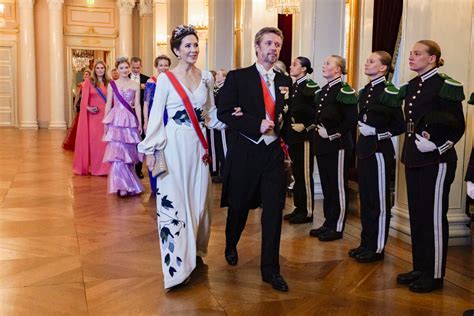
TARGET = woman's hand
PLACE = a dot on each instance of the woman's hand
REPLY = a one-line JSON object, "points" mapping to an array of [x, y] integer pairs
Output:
{"points": [[237, 111], [92, 109]]}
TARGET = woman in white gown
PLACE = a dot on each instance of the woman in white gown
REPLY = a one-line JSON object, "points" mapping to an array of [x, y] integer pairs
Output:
{"points": [[183, 201]]}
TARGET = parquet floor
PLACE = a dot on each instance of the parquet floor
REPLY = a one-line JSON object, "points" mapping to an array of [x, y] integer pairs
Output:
{"points": [[68, 248]]}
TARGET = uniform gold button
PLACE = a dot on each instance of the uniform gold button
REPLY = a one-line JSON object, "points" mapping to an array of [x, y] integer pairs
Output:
{"points": [[319, 111], [410, 104], [420, 84], [411, 120], [414, 97], [366, 101], [409, 111], [369, 95], [325, 94], [409, 134], [322, 99], [418, 91]]}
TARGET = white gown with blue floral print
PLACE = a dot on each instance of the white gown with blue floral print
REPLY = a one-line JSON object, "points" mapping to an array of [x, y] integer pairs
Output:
{"points": [[183, 198]]}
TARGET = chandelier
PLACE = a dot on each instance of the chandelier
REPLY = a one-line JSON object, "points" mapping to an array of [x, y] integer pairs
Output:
{"points": [[285, 7], [81, 59]]}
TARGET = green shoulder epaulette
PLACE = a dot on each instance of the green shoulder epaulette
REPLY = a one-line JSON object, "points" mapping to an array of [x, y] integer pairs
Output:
{"points": [[402, 92], [390, 96], [451, 90], [347, 95], [311, 88], [471, 99]]}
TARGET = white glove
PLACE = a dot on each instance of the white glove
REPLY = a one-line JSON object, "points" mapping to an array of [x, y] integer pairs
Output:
{"points": [[322, 132], [298, 127], [366, 130], [470, 189], [424, 145]]}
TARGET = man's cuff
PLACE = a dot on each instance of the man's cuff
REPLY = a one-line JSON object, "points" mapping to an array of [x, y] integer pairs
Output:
{"points": [[386, 135], [334, 136], [445, 147]]}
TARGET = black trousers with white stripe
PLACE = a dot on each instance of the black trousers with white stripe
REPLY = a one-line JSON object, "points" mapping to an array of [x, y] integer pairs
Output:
{"points": [[217, 140], [302, 156], [333, 172], [374, 184], [428, 198]]}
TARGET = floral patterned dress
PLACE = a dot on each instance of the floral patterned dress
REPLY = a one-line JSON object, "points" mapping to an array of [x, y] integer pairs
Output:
{"points": [[183, 198]]}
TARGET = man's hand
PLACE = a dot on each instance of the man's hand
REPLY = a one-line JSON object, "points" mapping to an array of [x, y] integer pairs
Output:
{"points": [[266, 126], [298, 127]]}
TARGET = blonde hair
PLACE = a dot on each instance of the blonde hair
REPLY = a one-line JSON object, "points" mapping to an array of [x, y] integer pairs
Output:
{"points": [[386, 60], [94, 79], [121, 60], [433, 49], [341, 62], [280, 67], [266, 30], [224, 72]]}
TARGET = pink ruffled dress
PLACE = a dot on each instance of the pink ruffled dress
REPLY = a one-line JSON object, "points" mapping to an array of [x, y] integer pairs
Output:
{"points": [[122, 137]]}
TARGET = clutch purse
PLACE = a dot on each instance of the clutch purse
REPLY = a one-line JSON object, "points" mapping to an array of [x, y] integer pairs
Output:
{"points": [[160, 166]]}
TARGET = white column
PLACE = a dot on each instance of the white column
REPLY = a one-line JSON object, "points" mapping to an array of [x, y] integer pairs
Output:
{"points": [[146, 36], [56, 64], [27, 84], [125, 44], [177, 14], [160, 19], [221, 28], [432, 19]]}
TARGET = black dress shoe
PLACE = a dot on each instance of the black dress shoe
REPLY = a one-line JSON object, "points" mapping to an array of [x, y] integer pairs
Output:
{"points": [[301, 218], [407, 278], [277, 282], [330, 235], [318, 231], [231, 256], [288, 216], [426, 284], [355, 251], [368, 256]]}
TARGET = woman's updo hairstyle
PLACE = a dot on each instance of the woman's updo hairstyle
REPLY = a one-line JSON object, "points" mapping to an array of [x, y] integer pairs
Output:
{"points": [[386, 60], [180, 32], [433, 49], [121, 60], [341, 62], [305, 62]]}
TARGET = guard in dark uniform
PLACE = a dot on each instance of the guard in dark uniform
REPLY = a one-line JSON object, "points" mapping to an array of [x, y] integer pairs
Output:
{"points": [[217, 140], [434, 124], [380, 118], [336, 117], [298, 133]]}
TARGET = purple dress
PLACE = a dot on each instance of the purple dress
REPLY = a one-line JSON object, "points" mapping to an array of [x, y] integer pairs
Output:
{"points": [[121, 135]]}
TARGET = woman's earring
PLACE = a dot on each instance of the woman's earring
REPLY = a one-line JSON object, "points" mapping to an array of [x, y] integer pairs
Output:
{"points": [[179, 57]]}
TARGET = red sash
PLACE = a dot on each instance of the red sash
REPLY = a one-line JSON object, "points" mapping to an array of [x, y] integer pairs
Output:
{"points": [[191, 114], [153, 78], [270, 109]]}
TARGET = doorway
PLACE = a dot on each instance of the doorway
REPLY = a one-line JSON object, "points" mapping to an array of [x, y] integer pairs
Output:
{"points": [[80, 60]]}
